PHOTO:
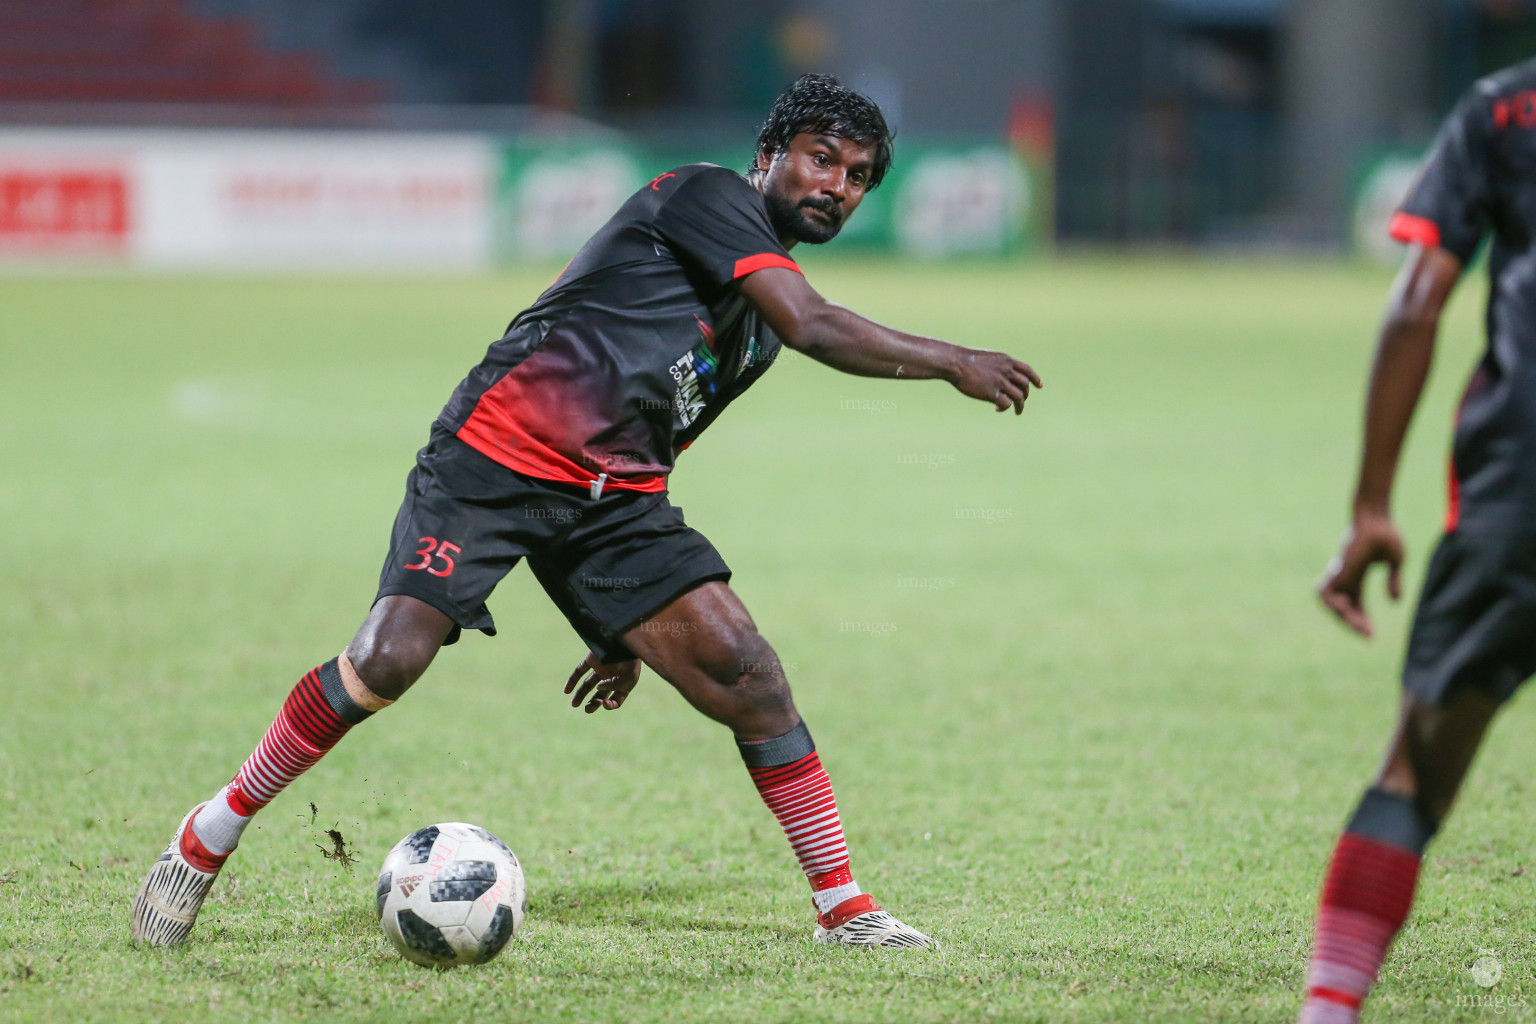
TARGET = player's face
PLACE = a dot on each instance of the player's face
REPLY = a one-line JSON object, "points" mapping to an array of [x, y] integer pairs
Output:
{"points": [[814, 185]]}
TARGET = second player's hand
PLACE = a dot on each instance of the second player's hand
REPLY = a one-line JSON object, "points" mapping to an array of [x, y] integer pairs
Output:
{"points": [[608, 683], [1371, 539], [995, 377]]}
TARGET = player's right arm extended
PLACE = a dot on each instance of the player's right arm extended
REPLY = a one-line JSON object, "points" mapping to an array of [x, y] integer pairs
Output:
{"points": [[846, 341], [1404, 350]]}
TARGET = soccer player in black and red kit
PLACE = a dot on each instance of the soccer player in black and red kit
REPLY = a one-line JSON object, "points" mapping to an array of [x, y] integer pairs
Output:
{"points": [[556, 449], [1473, 641]]}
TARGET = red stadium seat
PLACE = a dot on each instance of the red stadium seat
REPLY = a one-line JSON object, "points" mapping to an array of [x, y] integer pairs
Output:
{"points": [[155, 51]]}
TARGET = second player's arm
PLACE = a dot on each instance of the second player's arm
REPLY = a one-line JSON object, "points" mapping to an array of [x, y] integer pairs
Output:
{"points": [[1404, 351], [844, 340]]}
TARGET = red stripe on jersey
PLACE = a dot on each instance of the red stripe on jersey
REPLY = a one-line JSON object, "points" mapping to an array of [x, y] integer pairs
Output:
{"points": [[496, 432], [1452, 499], [1415, 230], [763, 260]]}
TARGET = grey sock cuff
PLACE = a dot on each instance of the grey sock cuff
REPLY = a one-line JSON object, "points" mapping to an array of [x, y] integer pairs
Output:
{"points": [[336, 695], [1390, 818], [792, 746]]}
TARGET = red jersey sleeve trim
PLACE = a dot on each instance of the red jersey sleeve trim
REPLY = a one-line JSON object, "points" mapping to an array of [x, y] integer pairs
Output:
{"points": [[762, 261], [1415, 230]]}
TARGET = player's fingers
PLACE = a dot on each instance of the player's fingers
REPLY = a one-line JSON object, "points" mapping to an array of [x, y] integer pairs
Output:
{"points": [[586, 663], [586, 688], [1023, 385], [1395, 580], [1028, 372], [1009, 393], [1348, 609]]}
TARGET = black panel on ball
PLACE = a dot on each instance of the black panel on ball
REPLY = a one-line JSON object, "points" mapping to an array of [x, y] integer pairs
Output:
{"points": [[386, 880], [497, 935], [418, 844], [424, 938], [463, 881]]}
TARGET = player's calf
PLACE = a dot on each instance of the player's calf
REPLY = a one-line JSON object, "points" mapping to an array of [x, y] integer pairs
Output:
{"points": [[1365, 902], [317, 713], [791, 780]]}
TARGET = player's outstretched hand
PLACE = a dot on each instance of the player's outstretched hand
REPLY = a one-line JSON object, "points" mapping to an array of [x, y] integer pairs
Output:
{"points": [[995, 377], [608, 683], [1370, 539]]}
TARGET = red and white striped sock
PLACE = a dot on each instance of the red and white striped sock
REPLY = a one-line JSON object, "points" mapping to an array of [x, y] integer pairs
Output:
{"points": [[1366, 899], [317, 713], [792, 782]]}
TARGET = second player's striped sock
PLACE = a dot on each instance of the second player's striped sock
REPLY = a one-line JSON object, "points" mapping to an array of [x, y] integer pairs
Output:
{"points": [[788, 774], [317, 713], [1366, 899]]}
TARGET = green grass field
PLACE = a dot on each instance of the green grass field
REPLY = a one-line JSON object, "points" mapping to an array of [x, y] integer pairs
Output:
{"points": [[1087, 725]]}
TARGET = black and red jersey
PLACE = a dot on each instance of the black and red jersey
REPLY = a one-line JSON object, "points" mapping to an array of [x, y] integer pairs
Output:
{"points": [[1480, 179], [638, 345]]}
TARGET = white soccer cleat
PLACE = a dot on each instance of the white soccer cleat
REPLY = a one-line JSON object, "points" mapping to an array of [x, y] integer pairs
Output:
{"points": [[166, 907], [860, 922]]}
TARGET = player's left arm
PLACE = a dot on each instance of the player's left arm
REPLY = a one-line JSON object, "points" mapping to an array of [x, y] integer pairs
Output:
{"points": [[844, 340]]}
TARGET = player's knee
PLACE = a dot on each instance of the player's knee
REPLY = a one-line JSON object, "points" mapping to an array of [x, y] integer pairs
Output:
{"points": [[749, 669], [389, 664]]}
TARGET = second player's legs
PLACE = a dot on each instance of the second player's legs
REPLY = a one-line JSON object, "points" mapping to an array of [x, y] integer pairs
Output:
{"points": [[1371, 878], [1433, 747]]}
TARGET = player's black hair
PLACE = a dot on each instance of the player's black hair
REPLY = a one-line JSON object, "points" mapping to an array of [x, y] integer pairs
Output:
{"points": [[821, 105]]}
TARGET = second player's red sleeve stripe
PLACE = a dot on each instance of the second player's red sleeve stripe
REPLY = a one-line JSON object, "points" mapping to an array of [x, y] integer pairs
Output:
{"points": [[762, 261], [1413, 229]]}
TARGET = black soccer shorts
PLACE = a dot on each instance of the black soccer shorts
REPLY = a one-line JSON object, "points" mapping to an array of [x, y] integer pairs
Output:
{"points": [[1476, 621], [607, 563]]}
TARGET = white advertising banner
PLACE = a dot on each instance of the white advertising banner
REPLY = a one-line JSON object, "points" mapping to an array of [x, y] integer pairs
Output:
{"points": [[250, 199]]}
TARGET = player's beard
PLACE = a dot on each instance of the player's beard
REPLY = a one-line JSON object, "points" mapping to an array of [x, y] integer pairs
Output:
{"points": [[795, 220]]}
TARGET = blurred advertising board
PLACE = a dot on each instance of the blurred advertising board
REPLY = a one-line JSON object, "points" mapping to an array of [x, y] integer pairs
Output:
{"points": [[938, 201], [552, 197], [431, 201], [64, 197], [247, 199], [331, 200], [1380, 190]]}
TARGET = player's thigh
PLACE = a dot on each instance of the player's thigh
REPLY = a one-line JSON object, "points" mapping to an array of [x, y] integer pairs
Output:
{"points": [[463, 524], [627, 561], [1434, 745], [1475, 625], [706, 631], [705, 644]]}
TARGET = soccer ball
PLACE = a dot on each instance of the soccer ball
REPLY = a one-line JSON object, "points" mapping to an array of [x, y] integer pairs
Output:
{"points": [[451, 894]]}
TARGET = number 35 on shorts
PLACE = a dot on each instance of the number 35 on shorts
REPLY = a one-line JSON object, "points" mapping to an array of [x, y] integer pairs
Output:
{"points": [[436, 556]]}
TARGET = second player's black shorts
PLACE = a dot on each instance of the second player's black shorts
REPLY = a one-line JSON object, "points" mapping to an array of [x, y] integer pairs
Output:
{"points": [[607, 562], [1476, 622]]}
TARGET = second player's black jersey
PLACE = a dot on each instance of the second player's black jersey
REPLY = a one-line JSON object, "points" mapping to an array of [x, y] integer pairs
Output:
{"points": [[638, 345], [1480, 180]]}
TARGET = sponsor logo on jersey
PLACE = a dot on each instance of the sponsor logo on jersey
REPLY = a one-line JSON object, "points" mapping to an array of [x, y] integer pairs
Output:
{"points": [[695, 375]]}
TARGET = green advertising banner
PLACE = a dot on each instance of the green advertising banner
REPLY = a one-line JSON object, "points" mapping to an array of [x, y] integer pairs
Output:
{"points": [[552, 196], [975, 199], [1380, 190]]}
